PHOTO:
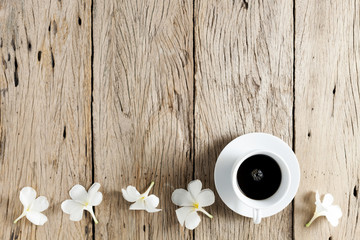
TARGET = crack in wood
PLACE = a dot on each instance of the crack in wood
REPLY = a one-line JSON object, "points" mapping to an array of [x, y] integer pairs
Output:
{"points": [[64, 132], [245, 4], [13, 43], [16, 76], [52, 59], [355, 191], [39, 56]]}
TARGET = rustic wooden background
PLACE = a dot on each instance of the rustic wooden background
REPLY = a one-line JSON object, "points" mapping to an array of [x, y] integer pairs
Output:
{"points": [[125, 92]]}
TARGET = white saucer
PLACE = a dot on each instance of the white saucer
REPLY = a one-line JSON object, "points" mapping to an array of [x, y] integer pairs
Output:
{"points": [[238, 148]]}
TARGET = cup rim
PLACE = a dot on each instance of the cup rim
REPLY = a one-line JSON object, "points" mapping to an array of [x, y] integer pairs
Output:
{"points": [[253, 202]]}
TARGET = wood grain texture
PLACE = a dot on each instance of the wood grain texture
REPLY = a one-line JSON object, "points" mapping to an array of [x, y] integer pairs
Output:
{"points": [[173, 82], [143, 93], [243, 84], [45, 121], [326, 114]]}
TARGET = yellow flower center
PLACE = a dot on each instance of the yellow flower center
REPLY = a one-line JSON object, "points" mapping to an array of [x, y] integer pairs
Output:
{"points": [[196, 205], [142, 198]]}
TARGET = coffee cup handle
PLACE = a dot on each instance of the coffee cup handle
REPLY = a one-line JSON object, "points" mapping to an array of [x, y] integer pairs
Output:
{"points": [[256, 216]]}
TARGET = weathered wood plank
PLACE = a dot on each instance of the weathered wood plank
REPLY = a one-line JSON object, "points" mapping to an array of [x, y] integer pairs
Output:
{"points": [[326, 114], [143, 93], [243, 84], [45, 118]]}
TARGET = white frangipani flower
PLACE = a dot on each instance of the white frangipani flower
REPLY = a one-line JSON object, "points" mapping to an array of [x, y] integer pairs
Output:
{"points": [[82, 200], [33, 207], [325, 208], [141, 201], [191, 202]]}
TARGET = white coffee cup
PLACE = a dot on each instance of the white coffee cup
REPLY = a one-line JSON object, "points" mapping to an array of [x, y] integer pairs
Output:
{"points": [[258, 205], [231, 158]]}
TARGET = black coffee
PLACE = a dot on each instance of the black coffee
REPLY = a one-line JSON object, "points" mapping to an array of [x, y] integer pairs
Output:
{"points": [[259, 177]]}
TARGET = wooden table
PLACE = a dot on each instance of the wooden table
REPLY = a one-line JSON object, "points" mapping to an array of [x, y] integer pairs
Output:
{"points": [[128, 92]]}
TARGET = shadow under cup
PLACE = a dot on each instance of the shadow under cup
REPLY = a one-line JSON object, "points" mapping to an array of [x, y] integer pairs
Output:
{"points": [[260, 174]]}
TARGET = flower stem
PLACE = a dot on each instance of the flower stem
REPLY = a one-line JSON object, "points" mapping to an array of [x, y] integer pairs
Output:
{"points": [[21, 216], [206, 213], [310, 222], [90, 210], [148, 190]]}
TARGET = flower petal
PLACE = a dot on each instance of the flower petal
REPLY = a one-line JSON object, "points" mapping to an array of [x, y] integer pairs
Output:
{"points": [[95, 199], [130, 194], [319, 206], [78, 193], [206, 198], [151, 203], [70, 206], [73, 208], [194, 187], [40, 204], [36, 218], [335, 211], [94, 196], [27, 196], [182, 198], [152, 210], [76, 215], [328, 200], [333, 215], [333, 220], [94, 188], [138, 205], [182, 213], [192, 220]]}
